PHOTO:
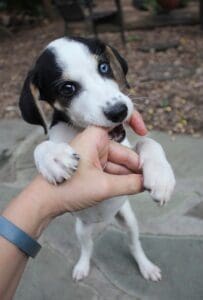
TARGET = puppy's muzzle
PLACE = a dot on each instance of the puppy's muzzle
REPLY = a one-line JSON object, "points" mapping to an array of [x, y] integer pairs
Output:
{"points": [[116, 113]]}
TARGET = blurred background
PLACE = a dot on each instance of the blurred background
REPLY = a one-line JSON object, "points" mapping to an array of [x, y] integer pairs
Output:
{"points": [[162, 41]]}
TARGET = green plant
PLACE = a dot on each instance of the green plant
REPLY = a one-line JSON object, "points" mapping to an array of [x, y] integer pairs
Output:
{"points": [[151, 3], [184, 2], [134, 38]]}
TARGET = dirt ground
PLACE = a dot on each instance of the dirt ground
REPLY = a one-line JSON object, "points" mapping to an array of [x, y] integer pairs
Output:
{"points": [[166, 86]]}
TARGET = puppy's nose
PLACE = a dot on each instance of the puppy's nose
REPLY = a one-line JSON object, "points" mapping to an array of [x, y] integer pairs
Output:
{"points": [[116, 113]]}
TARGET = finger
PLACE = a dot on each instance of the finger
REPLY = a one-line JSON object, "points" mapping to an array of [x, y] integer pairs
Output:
{"points": [[121, 155], [137, 124], [115, 169], [124, 184], [91, 140]]}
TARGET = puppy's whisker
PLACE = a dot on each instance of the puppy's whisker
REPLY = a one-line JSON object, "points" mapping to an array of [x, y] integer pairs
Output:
{"points": [[133, 95], [138, 98]]}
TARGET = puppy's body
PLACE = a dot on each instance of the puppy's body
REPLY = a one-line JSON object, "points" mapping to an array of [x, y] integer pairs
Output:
{"points": [[80, 79]]}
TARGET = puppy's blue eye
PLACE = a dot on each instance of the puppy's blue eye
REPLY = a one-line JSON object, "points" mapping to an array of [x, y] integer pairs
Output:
{"points": [[104, 68]]}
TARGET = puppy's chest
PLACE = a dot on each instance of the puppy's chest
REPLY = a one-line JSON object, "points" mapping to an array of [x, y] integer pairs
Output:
{"points": [[102, 212], [62, 133]]}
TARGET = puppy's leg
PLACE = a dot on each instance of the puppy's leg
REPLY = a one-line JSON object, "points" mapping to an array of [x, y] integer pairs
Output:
{"points": [[158, 174], [126, 217], [84, 234]]}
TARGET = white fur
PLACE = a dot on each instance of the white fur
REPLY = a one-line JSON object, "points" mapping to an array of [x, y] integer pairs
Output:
{"points": [[56, 160], [158, 175], [84, 234], [79, 65], [153, 161], [146, 267], [149, 151]]}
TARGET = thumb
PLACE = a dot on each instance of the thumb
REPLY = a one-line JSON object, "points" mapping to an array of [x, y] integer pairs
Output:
{"points": [[137, 124], [124, 184]]}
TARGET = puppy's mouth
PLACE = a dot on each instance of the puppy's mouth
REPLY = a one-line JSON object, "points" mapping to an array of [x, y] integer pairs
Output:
{"points": [[118, 133]]}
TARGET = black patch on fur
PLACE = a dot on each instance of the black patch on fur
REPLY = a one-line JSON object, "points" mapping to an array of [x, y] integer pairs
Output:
{"points": [[95, 46], [43, 76], [46, 75], [27, 105], [121, 60], [59, 116]]}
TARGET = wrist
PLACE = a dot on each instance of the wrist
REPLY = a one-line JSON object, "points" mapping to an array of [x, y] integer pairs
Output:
{"points": [[26, 216], [34, 208]]}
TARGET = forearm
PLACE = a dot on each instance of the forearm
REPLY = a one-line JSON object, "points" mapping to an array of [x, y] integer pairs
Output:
{"points": [[29, 212], [26, 210], [12, 264]]}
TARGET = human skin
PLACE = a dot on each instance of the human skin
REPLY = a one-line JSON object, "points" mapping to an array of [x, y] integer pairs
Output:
{"points": [[112, 167]]}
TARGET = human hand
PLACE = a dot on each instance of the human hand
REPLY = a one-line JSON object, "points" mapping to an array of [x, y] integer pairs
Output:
{"points": [[106, 169]]}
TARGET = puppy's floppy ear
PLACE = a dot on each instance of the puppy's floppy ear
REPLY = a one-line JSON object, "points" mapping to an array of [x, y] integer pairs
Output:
{"points": [[118, 65], [29, 103]]}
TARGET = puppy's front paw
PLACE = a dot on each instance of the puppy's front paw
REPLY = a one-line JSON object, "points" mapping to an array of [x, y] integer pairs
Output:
{"points": [[56, 162], [159, 180]]}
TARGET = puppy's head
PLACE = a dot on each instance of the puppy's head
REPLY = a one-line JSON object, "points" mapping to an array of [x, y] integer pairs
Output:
{"points": [[82, 80]]}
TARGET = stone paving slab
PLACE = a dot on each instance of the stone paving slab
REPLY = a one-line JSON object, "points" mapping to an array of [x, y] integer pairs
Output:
{"points": [[180, 261], [12, 132], [184, 153], [7, 193], [175, 218], [18, 140], [48, 278], [197, 211], [60, 235]]}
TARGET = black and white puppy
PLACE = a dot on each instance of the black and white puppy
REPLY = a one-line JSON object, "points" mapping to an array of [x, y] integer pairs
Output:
{"points": [[81, 80]]}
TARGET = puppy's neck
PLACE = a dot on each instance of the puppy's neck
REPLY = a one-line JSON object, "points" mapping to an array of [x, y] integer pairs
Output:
{"points": [[62, 132]]}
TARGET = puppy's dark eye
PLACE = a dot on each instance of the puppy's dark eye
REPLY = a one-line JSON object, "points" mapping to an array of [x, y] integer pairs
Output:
{"points": [[104, 68], [68, 89]]}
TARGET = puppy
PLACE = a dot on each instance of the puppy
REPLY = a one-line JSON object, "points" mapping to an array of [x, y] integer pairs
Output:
{"points": [[82, 80]]}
